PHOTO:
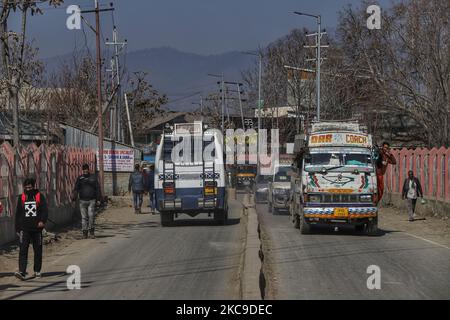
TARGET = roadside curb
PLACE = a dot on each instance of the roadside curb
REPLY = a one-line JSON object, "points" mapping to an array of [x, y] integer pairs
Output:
{"points": [[251, 276]]}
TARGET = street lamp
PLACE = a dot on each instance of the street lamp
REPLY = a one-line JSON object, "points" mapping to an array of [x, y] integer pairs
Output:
{"points": [[319, 61]]}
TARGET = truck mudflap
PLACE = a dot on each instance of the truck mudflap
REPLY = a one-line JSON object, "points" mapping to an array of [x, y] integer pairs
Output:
{"points": [[341, 213]]}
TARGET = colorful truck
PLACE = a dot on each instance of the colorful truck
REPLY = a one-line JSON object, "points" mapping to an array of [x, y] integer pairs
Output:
{"points": [[334, 182]]}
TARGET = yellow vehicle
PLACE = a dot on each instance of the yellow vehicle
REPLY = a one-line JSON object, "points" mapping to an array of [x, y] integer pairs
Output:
{"points": [[245, 176]]}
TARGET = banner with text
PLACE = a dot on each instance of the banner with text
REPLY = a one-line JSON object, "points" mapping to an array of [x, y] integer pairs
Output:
{"points": [[118, 160]]}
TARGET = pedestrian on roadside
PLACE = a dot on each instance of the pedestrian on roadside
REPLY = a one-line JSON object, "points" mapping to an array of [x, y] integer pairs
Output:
{"points": [[88, 190], [31, 216], [150, 186], [136, 185], [385, 158], [412, 189]]}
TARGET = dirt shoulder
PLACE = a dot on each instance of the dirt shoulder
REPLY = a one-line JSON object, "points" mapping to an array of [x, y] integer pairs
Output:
{"points": [[429, 228]]}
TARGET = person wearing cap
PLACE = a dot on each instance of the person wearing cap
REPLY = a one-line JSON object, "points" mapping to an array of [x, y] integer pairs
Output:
{"points": [[31, 216], [88, 190]]}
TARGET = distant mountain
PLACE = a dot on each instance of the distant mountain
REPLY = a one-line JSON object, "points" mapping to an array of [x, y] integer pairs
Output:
{"points": [[178, 74]]}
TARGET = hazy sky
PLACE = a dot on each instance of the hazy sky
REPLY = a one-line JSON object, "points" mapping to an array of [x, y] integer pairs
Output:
{"points": [[198, 26]]}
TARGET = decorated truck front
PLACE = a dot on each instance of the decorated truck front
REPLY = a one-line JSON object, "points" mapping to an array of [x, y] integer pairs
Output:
{"points": [[336, 184]]}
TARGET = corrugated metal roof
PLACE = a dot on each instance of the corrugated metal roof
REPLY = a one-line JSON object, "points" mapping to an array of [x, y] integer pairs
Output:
{"points": [[80, 138]]}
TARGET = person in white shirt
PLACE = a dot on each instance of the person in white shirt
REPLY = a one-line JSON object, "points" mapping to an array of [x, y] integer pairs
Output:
{"points": [[412, 190]]}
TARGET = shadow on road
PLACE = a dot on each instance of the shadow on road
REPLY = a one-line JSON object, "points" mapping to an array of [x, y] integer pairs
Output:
{"points": [[348, 231], [203, 223]]}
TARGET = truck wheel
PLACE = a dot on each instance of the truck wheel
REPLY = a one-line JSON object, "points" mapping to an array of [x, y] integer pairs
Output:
{"points": [[221, 216], [296, 221], [166, 219], [372, 227], [305, 228]]}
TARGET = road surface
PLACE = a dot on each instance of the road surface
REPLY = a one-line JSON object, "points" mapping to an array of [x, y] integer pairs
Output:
{"points": [[333, 265], [194, 259]]}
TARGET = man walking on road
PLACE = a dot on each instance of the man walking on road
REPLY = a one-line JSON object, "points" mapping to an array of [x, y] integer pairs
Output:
{"points": [[411, 191], [137, 185], [31, 216], [385, 158], [150, 186], [88, 189]]}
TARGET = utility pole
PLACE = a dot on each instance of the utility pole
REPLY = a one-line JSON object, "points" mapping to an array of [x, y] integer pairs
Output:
{"points": [[259, 55], [129, 120], [239, 92], [97, 11], [200, 104], [318, 46], [116, 113], [222, 89]]}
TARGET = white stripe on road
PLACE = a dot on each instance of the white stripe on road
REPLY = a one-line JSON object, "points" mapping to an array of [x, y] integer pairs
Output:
{"points": [[429, 241]]}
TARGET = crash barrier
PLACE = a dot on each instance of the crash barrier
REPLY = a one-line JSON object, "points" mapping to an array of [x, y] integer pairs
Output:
{"points": [[432, 167], [55, 169]]}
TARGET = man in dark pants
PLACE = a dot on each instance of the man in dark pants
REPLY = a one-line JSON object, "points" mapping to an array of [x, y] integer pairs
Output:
{"points": [[137, 185], [149, 176], [412, 190], [88, 189], [31, 216]]}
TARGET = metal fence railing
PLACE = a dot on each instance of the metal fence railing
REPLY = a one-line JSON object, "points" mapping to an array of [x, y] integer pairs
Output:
{"points": [[55, 169], [432, 167]]}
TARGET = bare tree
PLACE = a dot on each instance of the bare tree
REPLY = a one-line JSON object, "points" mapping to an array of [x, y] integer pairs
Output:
{"points": [[13, 48], [145, 102], [408, 63]]}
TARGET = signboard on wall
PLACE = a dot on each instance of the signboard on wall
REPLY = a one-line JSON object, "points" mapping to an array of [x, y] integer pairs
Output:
{"points": [[118, 160]]}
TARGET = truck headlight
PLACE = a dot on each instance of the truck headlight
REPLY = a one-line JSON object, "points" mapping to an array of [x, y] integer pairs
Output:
{"points": [[315, 198], [365, 198]]}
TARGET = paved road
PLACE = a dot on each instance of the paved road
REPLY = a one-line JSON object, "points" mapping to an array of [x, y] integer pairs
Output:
{"points": [[192, 260], [332, 265]]}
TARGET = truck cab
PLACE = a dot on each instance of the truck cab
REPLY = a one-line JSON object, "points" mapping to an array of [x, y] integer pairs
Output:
{"points": [[335, 181]]}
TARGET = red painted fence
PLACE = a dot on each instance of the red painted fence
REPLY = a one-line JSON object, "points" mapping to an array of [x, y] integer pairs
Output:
{"points": [[432, 167], [55, 168]]}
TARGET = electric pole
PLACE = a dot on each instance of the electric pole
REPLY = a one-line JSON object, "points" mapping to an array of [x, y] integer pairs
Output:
{"points": [[318, 46], [97, 11], [116, 113]]}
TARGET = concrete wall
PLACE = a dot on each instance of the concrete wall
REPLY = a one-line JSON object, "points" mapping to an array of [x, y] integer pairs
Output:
{"points": [[116, 183]]}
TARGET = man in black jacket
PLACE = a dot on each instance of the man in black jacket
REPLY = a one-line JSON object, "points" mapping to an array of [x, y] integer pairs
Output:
{"points": [[31, 216], [88, 189], [412, 190]]}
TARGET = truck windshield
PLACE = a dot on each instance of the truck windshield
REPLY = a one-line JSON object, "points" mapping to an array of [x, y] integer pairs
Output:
{"points": [[336, 159]]}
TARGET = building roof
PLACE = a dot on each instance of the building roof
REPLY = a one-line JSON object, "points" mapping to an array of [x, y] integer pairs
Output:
{"points": [[165, 117]]}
